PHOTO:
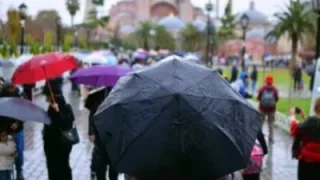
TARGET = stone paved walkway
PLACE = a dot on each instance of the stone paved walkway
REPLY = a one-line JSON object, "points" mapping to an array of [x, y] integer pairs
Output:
{"points": [[279, 165]]}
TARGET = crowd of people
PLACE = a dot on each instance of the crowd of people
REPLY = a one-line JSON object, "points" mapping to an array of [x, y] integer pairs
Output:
{"points": [[60, 136]]}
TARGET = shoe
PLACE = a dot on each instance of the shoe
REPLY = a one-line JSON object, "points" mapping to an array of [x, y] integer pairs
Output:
{"points": [[93, 175], [20, 176]]}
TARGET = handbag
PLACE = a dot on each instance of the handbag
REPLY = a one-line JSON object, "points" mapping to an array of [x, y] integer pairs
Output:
{"points": [[70, 136]]}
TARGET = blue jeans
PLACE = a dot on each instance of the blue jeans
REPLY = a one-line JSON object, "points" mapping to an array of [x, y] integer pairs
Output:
{"points": [[254, 86], [5, 175], [19, 140]]}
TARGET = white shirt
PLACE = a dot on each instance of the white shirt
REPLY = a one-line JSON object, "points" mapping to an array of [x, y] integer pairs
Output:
{"points": [[6, 155]]}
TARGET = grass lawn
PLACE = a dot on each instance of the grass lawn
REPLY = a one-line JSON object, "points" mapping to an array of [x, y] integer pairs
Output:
{"points": [[281, 77], [283, 105]]}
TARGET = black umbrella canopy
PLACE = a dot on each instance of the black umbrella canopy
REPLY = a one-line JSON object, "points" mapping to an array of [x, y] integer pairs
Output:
{"points": [[180, 117]]}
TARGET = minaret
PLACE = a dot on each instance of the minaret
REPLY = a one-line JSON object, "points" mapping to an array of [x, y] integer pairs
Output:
{"points": [[252, 5], [89, 6], [217, 9]]}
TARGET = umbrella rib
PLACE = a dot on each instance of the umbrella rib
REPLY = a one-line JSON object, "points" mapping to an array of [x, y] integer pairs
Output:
{"points": [[213, 124], [141, 134]]}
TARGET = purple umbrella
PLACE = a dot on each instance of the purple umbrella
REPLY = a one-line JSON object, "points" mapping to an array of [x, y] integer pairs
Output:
{"points": [[99, 75]]}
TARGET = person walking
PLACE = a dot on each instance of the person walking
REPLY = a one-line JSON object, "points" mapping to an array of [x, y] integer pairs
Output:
{"points": [[10, 90], [297, 77], [57, 147], [28, 91], [268, 98], [100, 159], [7, 155], [234, 73], [306, 147], [254, 78], [92, 102]]}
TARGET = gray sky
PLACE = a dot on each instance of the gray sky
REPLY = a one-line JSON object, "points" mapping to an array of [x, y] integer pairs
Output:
{"points": [[268, 7]]}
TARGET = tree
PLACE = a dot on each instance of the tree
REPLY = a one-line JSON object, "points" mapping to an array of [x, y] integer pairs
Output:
{"points": [[13, 26], [294, 22], [4, 50], [98, 2], [73, 7], [67, 43], [83, 42], [163, 39], [228, 21], [192, 38], [48, 42], [143, 34]]}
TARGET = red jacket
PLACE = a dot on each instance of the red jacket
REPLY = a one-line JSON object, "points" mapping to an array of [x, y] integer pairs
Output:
{"points": [[276, 96], [308, 132]]}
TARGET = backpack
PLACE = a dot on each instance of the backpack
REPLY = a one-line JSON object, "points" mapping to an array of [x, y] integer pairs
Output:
{"points": [[256, 160], [267, 98]]}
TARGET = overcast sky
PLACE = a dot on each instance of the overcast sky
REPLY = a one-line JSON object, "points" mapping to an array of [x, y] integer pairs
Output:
{"points": [[268, 7]]}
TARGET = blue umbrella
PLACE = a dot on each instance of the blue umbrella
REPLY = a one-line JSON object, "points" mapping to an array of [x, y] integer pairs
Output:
{"points": [[111, 60], [22, 110]]}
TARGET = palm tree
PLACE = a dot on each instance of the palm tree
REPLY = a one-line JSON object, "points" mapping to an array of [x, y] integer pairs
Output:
{"points": [[295, 22], [73, 7], [192, 38], [143, 33], [163, 39]]}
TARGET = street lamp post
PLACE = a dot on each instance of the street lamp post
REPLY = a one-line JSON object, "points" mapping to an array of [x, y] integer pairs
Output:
{"points": [[315, 84], [316, 8], [76, 36], [23, 15], [244, 21], [209, 8], [153, 33], [58, 26]]}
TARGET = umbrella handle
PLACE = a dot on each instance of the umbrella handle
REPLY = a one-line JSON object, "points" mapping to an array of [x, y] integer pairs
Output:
{"points": [[49, 86]]}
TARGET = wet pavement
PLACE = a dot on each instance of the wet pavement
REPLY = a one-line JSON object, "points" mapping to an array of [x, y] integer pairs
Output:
{"points": [[279, 165]]}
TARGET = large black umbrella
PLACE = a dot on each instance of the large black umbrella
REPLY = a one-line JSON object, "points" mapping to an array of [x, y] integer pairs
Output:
{"points": [[177, 117], [22, 110]]}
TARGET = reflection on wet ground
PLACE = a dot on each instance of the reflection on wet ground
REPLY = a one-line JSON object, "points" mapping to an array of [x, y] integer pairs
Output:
{"points": [[278, 164]]}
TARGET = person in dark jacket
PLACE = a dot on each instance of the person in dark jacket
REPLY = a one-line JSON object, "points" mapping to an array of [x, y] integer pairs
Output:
{"points": [[254, 79], [56, 148], [268, 111], [234, 73], [297, 77], [307, 133], [10, 90], [28, 91], [94, 99], [100, 159], [55, 85]]}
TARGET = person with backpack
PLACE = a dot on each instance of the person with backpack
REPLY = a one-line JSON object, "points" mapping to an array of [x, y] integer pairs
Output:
{"points": [[268, 98]]}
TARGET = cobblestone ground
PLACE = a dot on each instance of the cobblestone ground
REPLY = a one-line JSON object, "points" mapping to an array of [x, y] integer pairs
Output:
{"points": [[279, 165]]}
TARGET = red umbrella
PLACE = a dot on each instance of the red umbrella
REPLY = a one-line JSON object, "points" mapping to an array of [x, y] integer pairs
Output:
{"points": [[44, 66]]}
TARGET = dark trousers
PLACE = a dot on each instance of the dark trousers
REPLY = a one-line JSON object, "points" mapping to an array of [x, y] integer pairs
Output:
{"points": [[99, 165], [296, 84], [251, 176], [308, 171], [58, 160]]}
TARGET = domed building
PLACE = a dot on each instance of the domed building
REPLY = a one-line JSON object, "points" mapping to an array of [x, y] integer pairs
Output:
{"points": [[133, 11], [256, 18], [256, 45], [172, 23]]}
